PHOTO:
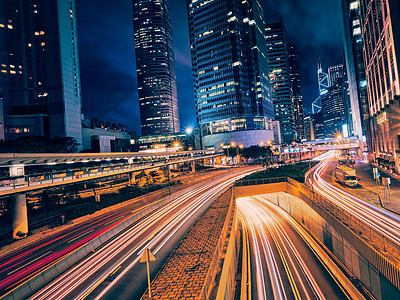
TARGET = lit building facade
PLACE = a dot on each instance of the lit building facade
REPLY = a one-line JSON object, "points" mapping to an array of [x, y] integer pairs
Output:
{"points": [[381, 47], [319, 131], [296, 88], [154, 54], [282, 95], [40, 77], [309, 125], [353, 49], [230, 72], [333, 103]]}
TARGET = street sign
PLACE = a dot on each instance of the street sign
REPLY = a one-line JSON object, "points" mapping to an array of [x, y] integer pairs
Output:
{"points": [[147, 256], [385, 181]]}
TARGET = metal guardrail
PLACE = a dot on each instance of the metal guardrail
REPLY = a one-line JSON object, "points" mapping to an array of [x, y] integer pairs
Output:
{"points": [[50, 180], [38, 281], [260, 181], [373, 239], [209, 281], [371, 236], [344, 216]]}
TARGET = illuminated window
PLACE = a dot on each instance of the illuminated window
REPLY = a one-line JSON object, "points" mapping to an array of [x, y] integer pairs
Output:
{"points": [[36, 33], [357, 31], [10, 26], [353, 5]]}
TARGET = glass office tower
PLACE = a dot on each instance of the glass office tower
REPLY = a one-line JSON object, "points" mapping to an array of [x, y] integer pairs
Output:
{"points": [[353, 49], [381, 47], [40, 78], [230, 72], [282, 94], [154, 53], [333, 103], [296, 88]]}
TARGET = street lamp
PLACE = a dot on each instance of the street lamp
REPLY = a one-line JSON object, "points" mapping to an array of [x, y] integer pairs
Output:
{"points": [[189, 130]]}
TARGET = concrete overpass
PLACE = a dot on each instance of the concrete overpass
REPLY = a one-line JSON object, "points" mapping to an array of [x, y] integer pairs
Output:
{"points": [[17, 162]]}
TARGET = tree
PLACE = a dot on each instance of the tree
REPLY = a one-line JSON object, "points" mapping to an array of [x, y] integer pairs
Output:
{"points": [[253, 152]]}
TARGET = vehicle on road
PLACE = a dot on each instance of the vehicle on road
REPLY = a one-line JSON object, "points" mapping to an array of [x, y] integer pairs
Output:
{"points": [[346, 175]]}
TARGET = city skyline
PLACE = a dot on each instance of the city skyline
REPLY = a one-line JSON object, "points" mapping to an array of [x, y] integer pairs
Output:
{"points": [[114, 58]]}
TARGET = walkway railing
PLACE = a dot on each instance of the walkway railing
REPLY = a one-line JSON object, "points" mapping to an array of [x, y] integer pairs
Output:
{"points": [[260, 181], [377, 243]]}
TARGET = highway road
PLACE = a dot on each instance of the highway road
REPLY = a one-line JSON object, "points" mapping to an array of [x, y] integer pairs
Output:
{"points": [[282, 264], [18, 266], [113, 271], [382, 221]]}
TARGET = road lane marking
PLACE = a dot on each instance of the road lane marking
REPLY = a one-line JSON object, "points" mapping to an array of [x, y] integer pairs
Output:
{"points": [[29, 263], [80, 236]]}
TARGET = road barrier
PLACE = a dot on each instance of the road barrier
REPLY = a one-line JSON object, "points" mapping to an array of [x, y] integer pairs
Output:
{"points": [[355, 244], [37, 282]]}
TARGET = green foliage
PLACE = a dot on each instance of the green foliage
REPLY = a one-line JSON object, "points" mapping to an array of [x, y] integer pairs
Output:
{"points": [[37, 144], [253, 152], [296, 171], [82, 207]]}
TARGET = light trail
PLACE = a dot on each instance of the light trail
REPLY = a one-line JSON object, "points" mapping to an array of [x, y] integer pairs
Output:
{"points": [[11, 273], [152, 231], [290, 275], [380, 220]]}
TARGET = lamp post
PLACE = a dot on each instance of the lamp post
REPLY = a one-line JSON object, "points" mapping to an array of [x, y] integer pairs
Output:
{"points": [[233, 144]]}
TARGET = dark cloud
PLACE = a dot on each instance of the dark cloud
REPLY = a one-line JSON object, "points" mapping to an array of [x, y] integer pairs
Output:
{"points": [[108, 71]]}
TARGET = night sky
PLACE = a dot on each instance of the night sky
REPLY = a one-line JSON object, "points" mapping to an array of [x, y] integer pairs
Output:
{"points": [[107, 56]]}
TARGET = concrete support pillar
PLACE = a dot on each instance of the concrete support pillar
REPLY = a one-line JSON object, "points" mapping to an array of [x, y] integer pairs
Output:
{"points": [[131, 178], [193, 166], [19, 215]]}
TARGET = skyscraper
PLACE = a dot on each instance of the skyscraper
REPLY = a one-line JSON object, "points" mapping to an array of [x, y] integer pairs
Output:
{"points": [[381, 46], [296, 88], [40, 78], [154, 53], [333, 102], [282, 95], [353, 48], [230, 72]]}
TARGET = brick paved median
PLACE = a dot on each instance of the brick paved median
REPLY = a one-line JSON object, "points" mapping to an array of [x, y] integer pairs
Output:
{"points": [[183, 275]]}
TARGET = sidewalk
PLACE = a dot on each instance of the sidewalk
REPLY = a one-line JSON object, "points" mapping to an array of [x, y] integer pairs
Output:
{"points": [[368, 189]]}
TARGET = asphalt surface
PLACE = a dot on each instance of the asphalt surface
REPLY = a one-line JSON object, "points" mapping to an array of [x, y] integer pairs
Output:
{"points": [[282, 264], [113, 271], [20, 265]]}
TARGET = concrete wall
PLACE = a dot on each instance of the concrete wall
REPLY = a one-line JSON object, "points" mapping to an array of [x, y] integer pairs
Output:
{"points": [[28, 288], [376, 272]]}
